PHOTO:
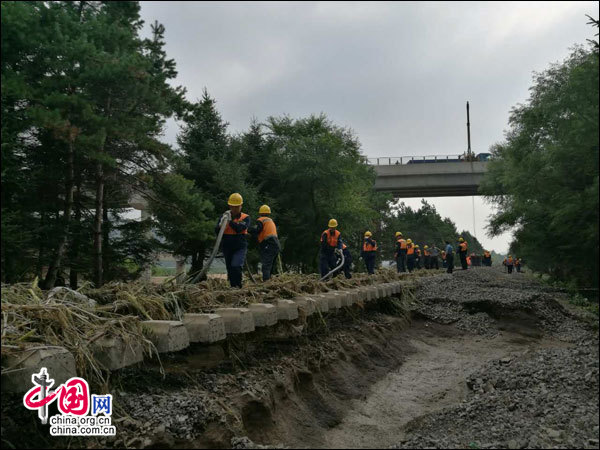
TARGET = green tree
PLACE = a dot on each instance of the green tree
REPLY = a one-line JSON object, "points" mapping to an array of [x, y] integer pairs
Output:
{"points": [[128, 83], [216, 166], [544, 177], [423, 226], [83, 98], [183, 215], [315, 172]]}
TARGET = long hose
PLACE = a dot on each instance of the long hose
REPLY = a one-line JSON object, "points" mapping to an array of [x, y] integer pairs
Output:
{"points": [[334, 270], [202, 273]]}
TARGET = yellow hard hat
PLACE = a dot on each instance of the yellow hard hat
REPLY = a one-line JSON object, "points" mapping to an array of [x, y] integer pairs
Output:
{"points": [[332, 223], [368, 234], [264, 209], [398, 234], [408, 241], [235, 200], [460, 239], [417, 245], [426, 246]]}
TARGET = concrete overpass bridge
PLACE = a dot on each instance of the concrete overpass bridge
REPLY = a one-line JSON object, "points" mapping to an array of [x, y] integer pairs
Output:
{"points": [[429, 176], [409, 176]]}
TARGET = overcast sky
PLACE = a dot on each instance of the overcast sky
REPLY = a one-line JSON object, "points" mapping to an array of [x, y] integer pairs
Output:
{"points": [[398, 74]]}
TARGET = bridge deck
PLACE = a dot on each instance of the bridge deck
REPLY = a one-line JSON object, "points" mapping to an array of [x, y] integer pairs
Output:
{"points": [[441, 179]]}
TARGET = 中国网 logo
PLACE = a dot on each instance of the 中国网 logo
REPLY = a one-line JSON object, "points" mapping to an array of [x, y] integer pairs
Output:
{"points": [[80, 414]]}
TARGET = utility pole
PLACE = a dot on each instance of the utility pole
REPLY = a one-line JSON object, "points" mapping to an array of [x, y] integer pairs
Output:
{"points": [[470, 158], [468, 133]]}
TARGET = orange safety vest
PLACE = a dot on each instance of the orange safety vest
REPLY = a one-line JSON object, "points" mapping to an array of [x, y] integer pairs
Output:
{"points": [[369, 247], [402, 243], [269, 229], [418, 252], [463, 246], [229, 230], [332, 241], [344, 246], [518, 262], [509, 261], [426, 252], [410, 249]]}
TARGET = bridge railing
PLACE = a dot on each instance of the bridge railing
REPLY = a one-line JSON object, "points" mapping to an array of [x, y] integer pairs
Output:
{"points": [[390, 161]]}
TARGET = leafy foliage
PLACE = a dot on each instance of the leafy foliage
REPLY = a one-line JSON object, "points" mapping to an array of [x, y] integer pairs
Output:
{"points": [[84, 100], [544, 177], [423, 226]]}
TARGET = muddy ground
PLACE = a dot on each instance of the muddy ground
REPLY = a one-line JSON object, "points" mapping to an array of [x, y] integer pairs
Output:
{"points": [[476, 359]]}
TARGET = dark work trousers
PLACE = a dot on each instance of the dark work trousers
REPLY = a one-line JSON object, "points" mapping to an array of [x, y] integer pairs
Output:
{"points": [[427, 262], [347, 263], [418, 262], [444, 263], [450, 263], [433, 263], [328, 261], [410, 262], [269, 249], [463, 260], [369, 258], [234, 261], [518, 268], [401, 262], [510, 268]]}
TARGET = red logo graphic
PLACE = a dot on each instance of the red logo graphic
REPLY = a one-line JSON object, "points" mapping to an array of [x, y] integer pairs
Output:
{"points": [[73, 396]]}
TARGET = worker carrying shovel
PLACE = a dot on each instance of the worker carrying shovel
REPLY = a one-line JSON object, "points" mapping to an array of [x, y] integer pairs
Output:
{"points": [[266, 234], [234, 241], [330, 245]]}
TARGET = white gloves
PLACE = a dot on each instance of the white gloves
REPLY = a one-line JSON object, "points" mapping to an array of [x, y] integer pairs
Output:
{"points": [[225, 217]]}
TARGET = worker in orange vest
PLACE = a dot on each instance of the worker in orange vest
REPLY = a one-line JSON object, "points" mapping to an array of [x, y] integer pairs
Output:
{"points": [[234, 241], [462, 253], [487, 258], [331, 245], [426, 257], [266, 234], [518, 264], [410, 255], [368, 252], [417, 256], [509, 263], [400, 252]]}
